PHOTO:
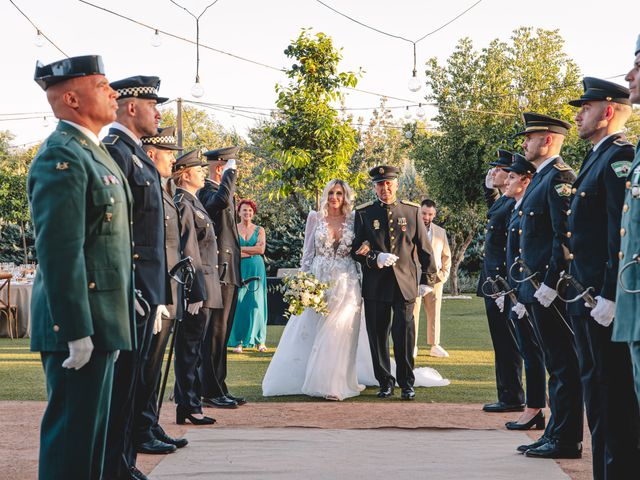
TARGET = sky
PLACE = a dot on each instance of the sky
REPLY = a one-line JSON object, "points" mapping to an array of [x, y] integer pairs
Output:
{"points": [[600, 42]]}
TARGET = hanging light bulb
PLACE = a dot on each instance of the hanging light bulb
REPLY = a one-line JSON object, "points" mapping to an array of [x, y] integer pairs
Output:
{"points": [[420, 113], [233, 112], [45, 122], [407, 113], [523, 102], [156, 39], [197, 90], [39, 40], [414, 82], [408, 134], [193, 136]]}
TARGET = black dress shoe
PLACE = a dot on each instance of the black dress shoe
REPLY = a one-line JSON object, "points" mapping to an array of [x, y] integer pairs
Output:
{"points": [[385, 392], [219, 402], [136, 474], [161, 435], [555, 449], [537, 423], [538, 443], [503, 407], [182, 417], [238, 400], [155, 447], [408, 394]]}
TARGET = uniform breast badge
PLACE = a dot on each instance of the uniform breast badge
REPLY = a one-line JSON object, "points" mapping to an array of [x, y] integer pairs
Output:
{"points": [[200, 215], [376, 224], [62, 166], [137, 161]]}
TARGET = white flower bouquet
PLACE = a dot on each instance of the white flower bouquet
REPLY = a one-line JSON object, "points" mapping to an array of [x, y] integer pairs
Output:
{"points": [[304, 290]]}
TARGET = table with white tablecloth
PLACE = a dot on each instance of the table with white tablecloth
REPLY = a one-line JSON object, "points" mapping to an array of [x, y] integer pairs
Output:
{"points": [[21, 298]]}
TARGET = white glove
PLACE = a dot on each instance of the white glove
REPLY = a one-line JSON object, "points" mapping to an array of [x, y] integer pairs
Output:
{"points": [[488, 179], [194, 308], [604, 311], [230, 165], [160, 312], [116, 355], [519, 310], [424, 289], [79, 353], [545, 295], [500, 303], [139, 309], [386, 259]]}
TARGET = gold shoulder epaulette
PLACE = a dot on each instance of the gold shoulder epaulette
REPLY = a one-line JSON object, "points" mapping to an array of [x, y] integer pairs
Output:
{"points": [[364, 205], [563, 167], [413, 204], [111, 139]]}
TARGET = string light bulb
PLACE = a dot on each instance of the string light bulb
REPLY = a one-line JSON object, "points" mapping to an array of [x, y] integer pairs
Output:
{"points": [[420, 113], [233, 111], [408, 134], [197, 90], [407, 113], [156, 39], [45, 122], [414, 82], [39, 40], [523, 102]]}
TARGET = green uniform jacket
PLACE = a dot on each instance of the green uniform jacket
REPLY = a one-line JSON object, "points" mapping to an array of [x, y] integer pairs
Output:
{"points": [[81, 210], [626, 324]]}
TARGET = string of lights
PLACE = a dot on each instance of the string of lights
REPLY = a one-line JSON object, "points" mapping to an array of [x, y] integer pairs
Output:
{"points": [[39, 33]]}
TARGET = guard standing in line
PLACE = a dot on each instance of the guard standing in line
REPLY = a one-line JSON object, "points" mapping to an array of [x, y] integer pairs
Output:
{"points": [[626, 328], [543, 248], [217, 198], [137, 116], [508, 362], [83, 292], [518, 180], [198, 240], [160, 148]]}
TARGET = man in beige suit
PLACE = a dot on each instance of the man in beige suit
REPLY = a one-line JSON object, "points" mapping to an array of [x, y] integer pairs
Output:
{"points": [[433, 300]]}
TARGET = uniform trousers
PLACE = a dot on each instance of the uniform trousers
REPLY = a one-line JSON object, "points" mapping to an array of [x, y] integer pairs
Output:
{"points": [[533, 358], [188, 357], [379, 324], [561, 361], [432, 302], [508, 362], [121, 454], [634, 350], [609, 397], [73, 433], [146, 414], [213, 371]]}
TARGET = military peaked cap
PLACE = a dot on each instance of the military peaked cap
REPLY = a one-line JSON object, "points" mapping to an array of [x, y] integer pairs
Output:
{"points": [[383, 172], [56, 72], [596, 89], [165, 138], [521, 165], [139, 86], [637, 45], [188, 160], [504, 159], [222, 154], [536, 122]]}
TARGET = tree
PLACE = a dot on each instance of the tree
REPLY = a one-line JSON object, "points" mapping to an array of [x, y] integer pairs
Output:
{"points": [[308, 141], [480, 96]]}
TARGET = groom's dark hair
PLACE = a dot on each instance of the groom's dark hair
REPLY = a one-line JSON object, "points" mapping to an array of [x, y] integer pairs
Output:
{"points": [[428, 203]]}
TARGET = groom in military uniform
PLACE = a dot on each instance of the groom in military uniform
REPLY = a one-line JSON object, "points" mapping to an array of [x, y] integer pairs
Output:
{"points": [[393, 232]]}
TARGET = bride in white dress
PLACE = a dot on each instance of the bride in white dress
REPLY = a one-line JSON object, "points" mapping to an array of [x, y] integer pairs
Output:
{"points": [[327, 356]]}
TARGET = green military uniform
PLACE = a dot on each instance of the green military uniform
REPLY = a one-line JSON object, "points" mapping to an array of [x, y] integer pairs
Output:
{"points": [[81, 209]]}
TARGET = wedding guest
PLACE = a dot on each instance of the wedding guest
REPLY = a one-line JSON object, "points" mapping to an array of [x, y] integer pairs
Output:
{"points": [[250, 321]]}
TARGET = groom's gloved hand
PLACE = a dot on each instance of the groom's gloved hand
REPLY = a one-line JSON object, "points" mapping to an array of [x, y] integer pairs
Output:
{"points": [[385, 259], [424, 289]]}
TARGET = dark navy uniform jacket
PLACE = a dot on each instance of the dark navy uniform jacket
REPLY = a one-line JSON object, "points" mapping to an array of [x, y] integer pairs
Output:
{"points": [[149, 256], [543, 242], [218, 201], [594, 219], [174, 251], [495, 241], [199, 243], [396, 228], [513, 241]]}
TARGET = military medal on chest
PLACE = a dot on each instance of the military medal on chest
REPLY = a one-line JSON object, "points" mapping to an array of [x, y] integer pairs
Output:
{"points": [[635, 183], [402, 223], [376, 224], [137, 161]]}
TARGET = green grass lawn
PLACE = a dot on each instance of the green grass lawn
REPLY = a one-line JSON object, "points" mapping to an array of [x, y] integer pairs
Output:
{"points": [[465, 336]]}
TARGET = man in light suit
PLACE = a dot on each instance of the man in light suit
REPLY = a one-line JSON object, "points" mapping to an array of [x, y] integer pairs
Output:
{"points": [[433, 300]]}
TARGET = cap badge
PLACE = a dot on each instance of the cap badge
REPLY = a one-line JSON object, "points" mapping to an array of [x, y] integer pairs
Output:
{"points": [[376, 224], [381, 171]]}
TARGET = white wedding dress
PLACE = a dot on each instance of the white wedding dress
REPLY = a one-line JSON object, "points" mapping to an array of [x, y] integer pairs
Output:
{"points": [[329, 356]]}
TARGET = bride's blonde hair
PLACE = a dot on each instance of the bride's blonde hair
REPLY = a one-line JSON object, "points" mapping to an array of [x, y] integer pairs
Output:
{"points": [[347, 204]]}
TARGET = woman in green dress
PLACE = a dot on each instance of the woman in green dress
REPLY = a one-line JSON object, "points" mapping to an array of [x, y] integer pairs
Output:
{"points": [[250, 320]]}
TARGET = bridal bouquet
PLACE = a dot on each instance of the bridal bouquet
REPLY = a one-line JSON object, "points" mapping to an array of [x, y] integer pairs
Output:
{"points": [[304, 290]]}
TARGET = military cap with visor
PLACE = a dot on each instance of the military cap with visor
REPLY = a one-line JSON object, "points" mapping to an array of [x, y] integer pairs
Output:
{"points": [[504, 159], [139, 86], [165, 138], [536, 122], [383, 172], [66, 69], [637, 45], [222, 154], [597, 90], [188, 160], [520, 165]]}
